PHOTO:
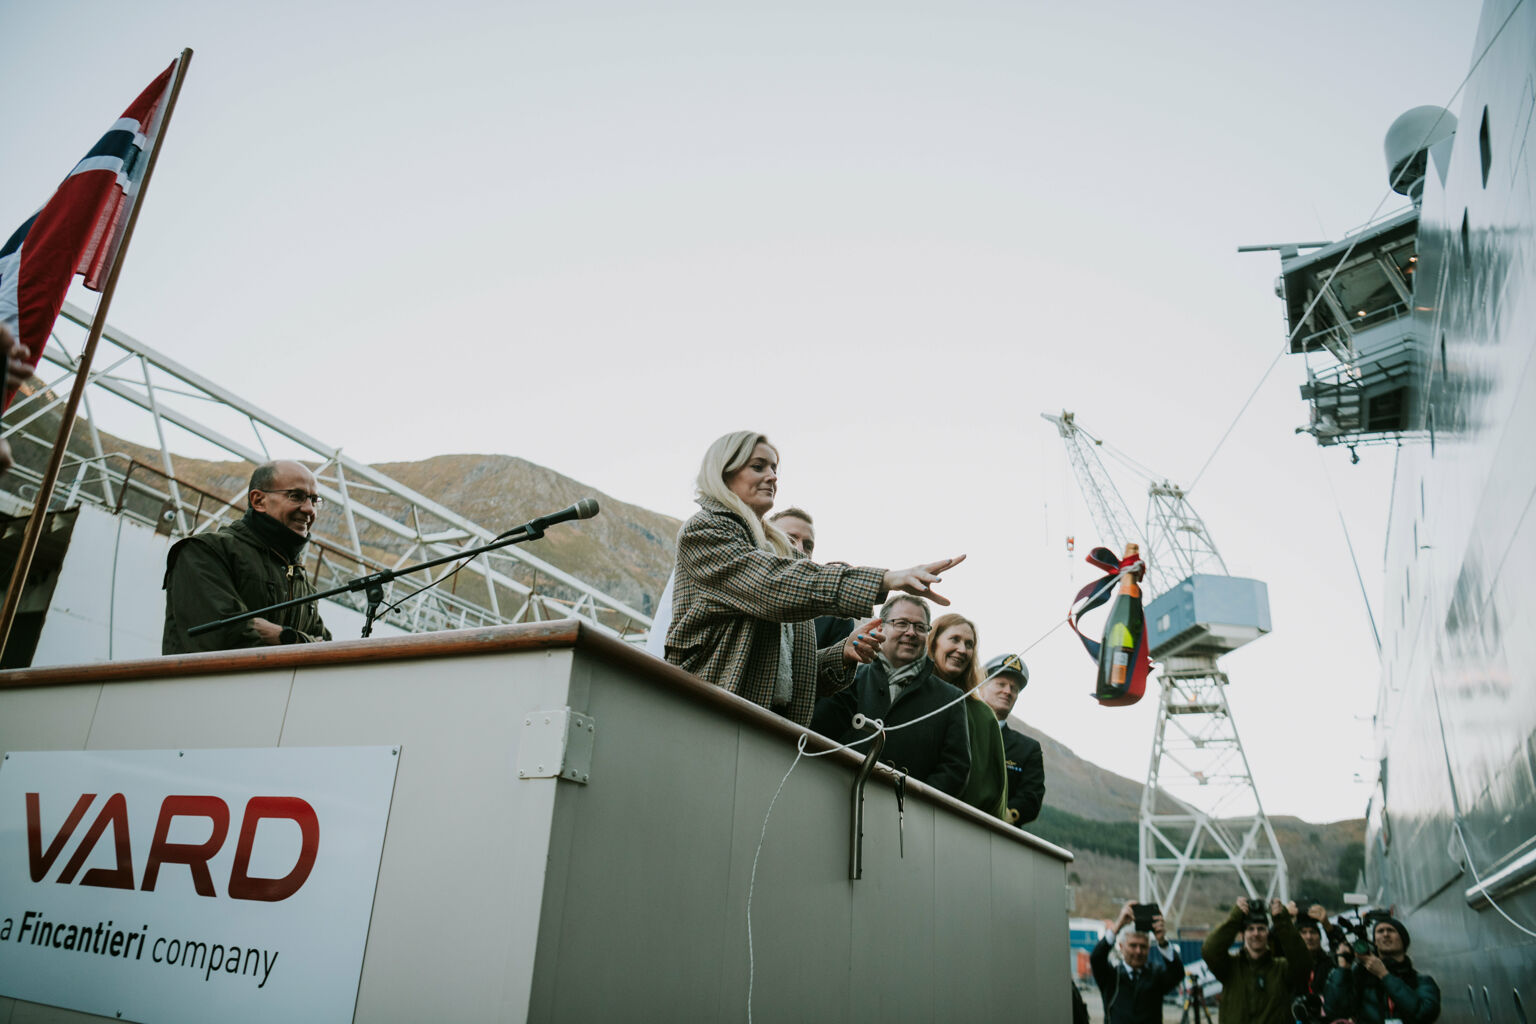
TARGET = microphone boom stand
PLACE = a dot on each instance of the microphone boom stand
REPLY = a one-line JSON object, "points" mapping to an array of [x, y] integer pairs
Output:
{"points": [[372, 585]]}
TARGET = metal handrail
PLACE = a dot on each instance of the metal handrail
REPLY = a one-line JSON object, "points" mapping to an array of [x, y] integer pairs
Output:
{"points": [[161, 387]]}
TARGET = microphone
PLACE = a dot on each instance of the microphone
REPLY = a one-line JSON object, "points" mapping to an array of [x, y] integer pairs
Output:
{"points": [[586, 508]]}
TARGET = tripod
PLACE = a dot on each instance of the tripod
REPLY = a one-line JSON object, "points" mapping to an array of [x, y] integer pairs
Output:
{"points": [[1195, 1010]]}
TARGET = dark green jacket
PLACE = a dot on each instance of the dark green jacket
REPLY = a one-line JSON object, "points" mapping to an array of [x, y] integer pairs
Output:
{"points": [[1257, 991], [1404, 994], [215, 575], [986, 788]]}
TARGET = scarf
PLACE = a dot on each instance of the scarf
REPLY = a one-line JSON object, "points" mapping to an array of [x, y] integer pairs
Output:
{"points": [[275, 535], [784, 682], [898, 679]]}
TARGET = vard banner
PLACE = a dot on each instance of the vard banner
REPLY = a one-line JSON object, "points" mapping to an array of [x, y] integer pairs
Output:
{"points": [[197, 885]]}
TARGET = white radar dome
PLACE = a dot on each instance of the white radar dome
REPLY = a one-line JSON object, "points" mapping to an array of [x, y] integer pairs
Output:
{"points": [[1408, 143]]}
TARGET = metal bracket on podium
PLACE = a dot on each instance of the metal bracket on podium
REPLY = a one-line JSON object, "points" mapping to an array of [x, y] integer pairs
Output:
{"points": [[856, 810], [556, 744]]}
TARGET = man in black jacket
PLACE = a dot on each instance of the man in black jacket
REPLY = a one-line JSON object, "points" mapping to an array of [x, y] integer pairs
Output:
{"points": [[898, 687], [1383, 985], [1007, 675], [1133, 989], [251, 563], [1310, 920]]}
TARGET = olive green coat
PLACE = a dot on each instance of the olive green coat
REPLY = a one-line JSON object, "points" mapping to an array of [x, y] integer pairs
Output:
{"points": [[986, 788], [1257, 991], [215, 575]]}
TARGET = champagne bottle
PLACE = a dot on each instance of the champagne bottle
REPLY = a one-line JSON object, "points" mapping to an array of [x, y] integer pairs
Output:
{"points": [[1123, 632]]}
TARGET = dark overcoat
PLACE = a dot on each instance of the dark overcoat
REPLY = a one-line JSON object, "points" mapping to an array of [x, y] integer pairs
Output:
{"points": [[1026, 774], [934, 750], [212, 576]]}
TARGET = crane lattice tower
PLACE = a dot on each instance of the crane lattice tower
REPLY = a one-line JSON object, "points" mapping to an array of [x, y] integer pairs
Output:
{"points": [[1201, 819]]}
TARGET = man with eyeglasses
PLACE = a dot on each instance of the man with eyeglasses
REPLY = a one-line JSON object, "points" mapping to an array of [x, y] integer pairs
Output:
{"points": [[899, 687], [253, 562]]}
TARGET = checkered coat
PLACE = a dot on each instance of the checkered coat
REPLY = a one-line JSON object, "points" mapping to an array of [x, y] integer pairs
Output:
{"points": [[730, 597]]}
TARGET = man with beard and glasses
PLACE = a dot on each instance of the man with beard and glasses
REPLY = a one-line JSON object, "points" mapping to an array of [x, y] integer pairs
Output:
{"points": [[898, 687], [251, 563]]}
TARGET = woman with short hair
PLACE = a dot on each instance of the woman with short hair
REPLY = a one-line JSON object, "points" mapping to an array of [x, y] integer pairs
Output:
{"points": [[952, 649], [744, 597]]}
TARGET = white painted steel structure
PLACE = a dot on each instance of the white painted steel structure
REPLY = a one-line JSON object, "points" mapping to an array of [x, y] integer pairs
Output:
{"points": [[1200, 811], [524, 878], [372, 521]]}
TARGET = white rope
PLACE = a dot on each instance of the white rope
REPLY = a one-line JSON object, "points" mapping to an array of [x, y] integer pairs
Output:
{"points": [[752, 883], [1486, 894], [1365, 598], [879, 725]]}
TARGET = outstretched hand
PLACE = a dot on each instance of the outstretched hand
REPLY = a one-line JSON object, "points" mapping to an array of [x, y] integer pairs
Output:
{"points": [[864, 642], [918, 579]]}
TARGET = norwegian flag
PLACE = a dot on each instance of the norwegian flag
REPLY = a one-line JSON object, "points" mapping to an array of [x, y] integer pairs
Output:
{"points": [[80, 229]]}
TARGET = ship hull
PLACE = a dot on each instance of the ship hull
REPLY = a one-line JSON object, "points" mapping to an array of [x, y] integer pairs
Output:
{"points": [[1451, 828]]}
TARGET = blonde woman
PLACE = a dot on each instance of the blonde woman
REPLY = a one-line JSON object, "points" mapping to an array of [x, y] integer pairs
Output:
{"points": [[952, 649], [744, 597]]}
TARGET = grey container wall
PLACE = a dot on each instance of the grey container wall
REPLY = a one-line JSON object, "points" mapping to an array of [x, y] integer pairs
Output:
{"points": [[1205, 614], [623, 899]]}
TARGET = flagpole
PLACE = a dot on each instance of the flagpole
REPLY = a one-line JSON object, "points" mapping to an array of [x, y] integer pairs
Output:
{"points": [[82, 376]]}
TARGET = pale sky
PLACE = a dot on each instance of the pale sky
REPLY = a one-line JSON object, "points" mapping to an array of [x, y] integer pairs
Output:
{"points": [[598, 236]]}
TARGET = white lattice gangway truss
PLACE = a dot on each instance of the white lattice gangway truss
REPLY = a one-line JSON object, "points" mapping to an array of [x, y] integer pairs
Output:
{"points": [[372, 522]]}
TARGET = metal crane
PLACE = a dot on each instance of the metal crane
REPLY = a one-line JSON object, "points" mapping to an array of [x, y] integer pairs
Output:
{"points": [[1200, 812]]}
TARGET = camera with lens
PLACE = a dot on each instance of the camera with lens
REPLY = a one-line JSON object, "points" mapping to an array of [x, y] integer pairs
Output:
{"points": [[1359, 932], [1142, 915]]}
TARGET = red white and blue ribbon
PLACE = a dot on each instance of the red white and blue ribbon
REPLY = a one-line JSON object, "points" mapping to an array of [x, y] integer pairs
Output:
{"points": [[1097, 594]]}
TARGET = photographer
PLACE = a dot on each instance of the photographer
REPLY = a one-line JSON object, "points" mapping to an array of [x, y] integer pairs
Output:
{"points": [[1133, 990], [1381, 984], [1256, 984], [1308, 1005]]}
